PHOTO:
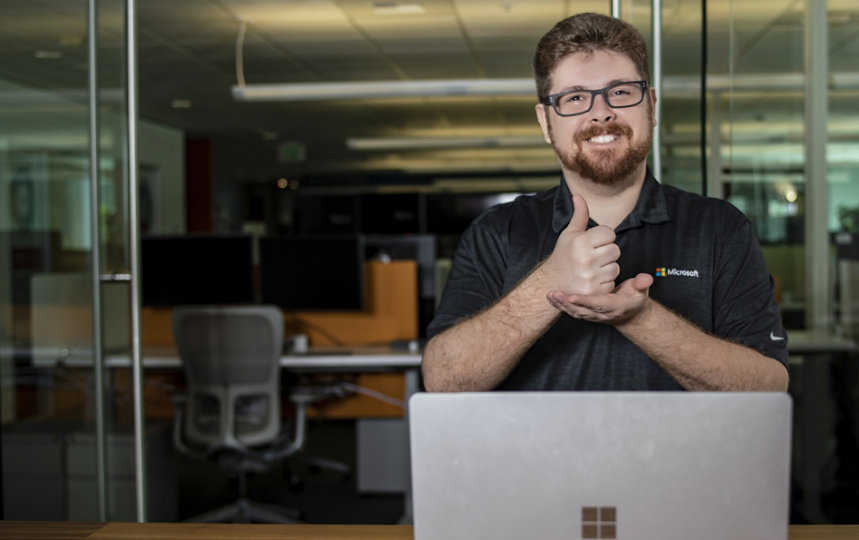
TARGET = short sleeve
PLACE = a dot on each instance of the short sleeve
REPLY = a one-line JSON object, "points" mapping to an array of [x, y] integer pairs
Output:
{"points": [[476, 278], [744, 294]]}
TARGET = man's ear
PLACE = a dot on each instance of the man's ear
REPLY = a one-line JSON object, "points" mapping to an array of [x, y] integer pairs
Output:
{"points": [[544, 121]]}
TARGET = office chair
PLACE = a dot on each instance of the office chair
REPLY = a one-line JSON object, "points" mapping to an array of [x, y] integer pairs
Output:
{"points": [[231, 410]]}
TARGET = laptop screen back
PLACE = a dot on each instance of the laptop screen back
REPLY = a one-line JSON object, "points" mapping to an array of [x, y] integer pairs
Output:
{"points": [[642, 466]]}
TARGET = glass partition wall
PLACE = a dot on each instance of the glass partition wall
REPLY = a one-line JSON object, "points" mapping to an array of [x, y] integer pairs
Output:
{"points": [[759, 106], [68, 444], [768, 74]]}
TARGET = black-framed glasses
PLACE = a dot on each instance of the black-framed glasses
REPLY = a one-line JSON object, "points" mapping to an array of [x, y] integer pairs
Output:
{"points": [[617, 96]]}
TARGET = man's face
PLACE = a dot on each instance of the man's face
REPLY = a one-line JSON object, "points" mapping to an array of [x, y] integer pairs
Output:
{"points": [[605, 145]]}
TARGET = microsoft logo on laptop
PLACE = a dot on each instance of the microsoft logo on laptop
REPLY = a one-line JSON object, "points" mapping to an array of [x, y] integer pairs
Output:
{"points": [[599, 522]]}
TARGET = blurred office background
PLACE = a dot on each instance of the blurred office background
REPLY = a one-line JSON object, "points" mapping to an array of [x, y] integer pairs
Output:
{"points": [[759, 105]]}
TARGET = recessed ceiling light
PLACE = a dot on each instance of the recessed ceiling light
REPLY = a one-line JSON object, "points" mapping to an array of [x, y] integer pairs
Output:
{"points": [[398, 8], [49, 55], [72, 40]]}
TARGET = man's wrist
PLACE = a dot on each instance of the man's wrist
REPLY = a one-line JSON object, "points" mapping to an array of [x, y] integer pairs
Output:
{"points": [[641, 319], [543, 279]]}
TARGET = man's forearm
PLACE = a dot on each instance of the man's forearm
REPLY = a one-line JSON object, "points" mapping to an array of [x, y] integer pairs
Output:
{"points": [[478, 353], [697, 359]]}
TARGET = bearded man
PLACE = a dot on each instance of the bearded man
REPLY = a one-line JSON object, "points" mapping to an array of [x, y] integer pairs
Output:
{"points": [[610, 281]]}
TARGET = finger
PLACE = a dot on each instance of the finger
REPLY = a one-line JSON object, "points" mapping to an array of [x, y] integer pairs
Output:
{"points": [[579, 221], [589, 308], [560, 301], [601, 236], [605, 254], [610, 273], [602, 280]]}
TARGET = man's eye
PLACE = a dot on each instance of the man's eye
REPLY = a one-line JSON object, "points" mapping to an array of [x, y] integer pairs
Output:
{"points": [[572, 98], [621, 92]]}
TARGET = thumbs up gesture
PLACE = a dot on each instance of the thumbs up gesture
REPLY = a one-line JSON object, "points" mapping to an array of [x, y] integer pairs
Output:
{"points": [[583, 267], [584, 260]]}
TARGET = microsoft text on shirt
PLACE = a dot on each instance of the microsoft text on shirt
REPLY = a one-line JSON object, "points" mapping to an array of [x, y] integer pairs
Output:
{"points": [[662, 272]]}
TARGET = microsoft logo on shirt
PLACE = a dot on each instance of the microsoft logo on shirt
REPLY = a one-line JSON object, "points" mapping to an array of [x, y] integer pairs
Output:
{"points": [[662, 272]]}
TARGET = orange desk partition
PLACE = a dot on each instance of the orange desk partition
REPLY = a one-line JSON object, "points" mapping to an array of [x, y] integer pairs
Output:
{"points": [[391, 314]]}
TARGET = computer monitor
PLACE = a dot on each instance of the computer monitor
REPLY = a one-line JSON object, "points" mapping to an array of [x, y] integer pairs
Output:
{"points": [[197, 269], [312, 272]]}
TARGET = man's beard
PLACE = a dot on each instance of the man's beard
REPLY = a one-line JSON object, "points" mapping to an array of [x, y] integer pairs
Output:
{"points": [[605, 167]]}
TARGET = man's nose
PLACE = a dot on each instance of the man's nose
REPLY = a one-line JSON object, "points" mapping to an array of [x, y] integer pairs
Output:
{"points": [[600, 109]]}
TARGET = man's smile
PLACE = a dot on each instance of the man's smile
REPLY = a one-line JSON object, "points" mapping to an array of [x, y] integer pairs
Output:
{"points": [[604, 135], [603, 139]]}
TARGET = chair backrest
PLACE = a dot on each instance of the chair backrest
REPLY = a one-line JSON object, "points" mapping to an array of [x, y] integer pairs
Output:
{"points": [[230, 355]]}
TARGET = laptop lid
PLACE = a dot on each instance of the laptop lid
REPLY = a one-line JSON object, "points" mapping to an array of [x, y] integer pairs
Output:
{"points": [[571, 465]]}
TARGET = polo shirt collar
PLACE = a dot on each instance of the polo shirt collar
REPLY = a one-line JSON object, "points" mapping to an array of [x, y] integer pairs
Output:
{"points": [[650, 208]]}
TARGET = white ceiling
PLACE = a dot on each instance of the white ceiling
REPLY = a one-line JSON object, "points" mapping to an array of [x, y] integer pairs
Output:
{"points": [[187, 50]]}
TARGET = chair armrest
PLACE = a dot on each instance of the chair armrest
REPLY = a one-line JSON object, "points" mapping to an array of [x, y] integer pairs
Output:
{"points": [[297, 442], [179, 401]]}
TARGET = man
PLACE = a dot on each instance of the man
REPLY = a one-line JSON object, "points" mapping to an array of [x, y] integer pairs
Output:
{"points": [[611, 281]]}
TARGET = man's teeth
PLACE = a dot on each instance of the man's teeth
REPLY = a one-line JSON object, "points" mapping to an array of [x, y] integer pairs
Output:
{"points": [[601, 139]]}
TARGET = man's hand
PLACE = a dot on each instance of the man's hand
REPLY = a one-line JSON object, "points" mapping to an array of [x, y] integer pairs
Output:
{"points": [[584, 261], [622, 304]]}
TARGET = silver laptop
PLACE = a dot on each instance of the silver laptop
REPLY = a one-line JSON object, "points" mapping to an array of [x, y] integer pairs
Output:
{"points": [[629, 466]]}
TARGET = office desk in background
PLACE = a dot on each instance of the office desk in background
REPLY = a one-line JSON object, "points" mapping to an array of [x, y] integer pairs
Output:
{"points": [[327, 360], [57, 530], [357, 360]]}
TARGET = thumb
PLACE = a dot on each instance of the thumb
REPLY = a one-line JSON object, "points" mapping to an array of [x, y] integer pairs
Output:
{"points": [[636, 285], [643, 282], [579, 221]]}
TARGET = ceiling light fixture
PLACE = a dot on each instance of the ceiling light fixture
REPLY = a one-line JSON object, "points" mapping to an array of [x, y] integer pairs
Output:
{"points": [[369, 144], [398, 8], [382, 89], [48, 55]]}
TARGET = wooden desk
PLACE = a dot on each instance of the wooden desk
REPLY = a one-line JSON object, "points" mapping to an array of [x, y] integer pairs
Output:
{"points": [[55, 530]]}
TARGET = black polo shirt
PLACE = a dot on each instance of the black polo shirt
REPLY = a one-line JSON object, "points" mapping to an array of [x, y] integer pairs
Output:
{"points": [[703, 252]]}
